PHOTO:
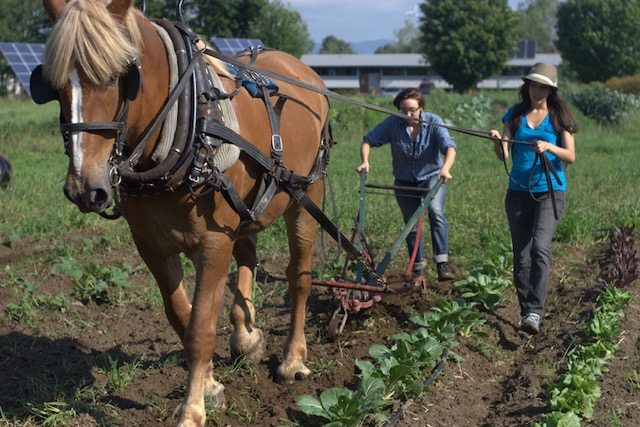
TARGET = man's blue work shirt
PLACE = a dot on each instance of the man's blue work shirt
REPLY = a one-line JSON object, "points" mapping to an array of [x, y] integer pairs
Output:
{"points": [[413, 161]]}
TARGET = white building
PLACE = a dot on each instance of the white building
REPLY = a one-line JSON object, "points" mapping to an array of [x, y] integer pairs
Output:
{"points": [[389, 72]]}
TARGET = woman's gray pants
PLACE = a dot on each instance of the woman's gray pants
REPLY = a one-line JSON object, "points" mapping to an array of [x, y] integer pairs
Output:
{"points": [[532, 224]]}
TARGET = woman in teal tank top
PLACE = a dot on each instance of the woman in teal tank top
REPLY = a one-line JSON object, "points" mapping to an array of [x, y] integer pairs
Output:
{"points": [[542, 125]]}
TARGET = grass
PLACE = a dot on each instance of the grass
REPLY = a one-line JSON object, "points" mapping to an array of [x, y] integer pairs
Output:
{"points": [[600, 182], [33, 205]]}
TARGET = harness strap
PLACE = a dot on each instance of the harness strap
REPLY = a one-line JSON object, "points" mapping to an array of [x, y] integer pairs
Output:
{"points": [[330, 228], [547, 166], [92, 126], [159, 119], [216, 129]]}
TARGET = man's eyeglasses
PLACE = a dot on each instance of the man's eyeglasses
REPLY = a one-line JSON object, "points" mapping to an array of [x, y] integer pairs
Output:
{"points": [[409, 110]]}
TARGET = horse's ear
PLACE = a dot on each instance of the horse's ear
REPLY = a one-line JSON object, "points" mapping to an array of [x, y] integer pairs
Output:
{"points": [[120, 7], [54, 8]]}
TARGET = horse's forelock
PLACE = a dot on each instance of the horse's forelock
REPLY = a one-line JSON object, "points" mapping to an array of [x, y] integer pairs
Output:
{"points": [[88, 36]]}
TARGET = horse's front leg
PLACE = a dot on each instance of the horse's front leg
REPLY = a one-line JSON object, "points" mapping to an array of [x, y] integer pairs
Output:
{"points": [[167, 271], [246, 339], [301, 230], [211, 261]]}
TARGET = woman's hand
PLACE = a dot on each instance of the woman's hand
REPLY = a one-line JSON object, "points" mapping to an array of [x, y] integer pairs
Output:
{"points": [[499, 145], [539, 146]]}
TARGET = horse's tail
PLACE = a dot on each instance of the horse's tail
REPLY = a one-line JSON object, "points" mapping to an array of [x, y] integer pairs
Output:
{"points": [[5, 171]]}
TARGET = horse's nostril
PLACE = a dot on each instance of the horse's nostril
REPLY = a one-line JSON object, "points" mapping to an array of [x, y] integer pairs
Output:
{"points": [[99, 197]]}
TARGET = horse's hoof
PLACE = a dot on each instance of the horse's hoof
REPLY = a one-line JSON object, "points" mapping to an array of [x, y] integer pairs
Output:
{"points": [[252, 346], [194, 419], [215, 391], [294, 371]]}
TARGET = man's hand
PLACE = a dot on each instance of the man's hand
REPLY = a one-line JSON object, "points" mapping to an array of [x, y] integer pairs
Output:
{"points": [[364, 167]]}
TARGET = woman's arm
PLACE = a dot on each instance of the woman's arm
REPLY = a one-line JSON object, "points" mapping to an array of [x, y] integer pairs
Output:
{"points": [[501, 143]]}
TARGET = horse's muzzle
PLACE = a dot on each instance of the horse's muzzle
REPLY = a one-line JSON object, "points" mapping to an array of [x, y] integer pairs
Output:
{"points": [[91, 199]]}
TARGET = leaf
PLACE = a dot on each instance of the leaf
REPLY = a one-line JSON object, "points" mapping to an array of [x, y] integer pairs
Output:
{"points": [[378, 351], [330, 397], [311, 406]]}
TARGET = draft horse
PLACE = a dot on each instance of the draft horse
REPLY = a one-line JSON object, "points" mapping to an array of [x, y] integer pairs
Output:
{"points": [[108, 67]]}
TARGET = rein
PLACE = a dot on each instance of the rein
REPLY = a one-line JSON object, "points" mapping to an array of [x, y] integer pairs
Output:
{"points": [[547, 166]]}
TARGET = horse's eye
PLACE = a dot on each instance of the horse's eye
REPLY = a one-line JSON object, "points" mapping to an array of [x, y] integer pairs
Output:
{"points": [[112, 81]]}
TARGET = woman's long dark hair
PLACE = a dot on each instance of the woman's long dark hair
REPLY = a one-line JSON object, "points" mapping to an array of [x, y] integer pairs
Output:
{"points": [[561, 117]]}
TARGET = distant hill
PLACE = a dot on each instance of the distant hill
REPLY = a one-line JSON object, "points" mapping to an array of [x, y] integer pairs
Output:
{"points": [[367, 46]]}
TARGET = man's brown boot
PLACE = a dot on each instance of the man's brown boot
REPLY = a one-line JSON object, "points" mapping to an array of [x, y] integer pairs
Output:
{"points": [[444, 273]]}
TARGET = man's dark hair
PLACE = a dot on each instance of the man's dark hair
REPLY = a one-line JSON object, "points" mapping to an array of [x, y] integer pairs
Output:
{"points": [[409, 93]]}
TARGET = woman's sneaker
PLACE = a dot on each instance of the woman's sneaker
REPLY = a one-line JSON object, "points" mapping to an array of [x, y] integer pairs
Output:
{"points": [[530, 324]]}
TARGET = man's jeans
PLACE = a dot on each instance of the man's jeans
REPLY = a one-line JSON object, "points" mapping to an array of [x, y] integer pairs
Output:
{"points": [[408, 203], [532, 225]]}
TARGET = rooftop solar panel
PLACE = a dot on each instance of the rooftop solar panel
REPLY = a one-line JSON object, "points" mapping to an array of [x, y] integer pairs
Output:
{"points": [[23, 58], [230, 47]]}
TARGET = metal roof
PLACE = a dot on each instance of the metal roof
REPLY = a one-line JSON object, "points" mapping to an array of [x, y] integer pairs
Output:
{"points": [[365, 60], [405, 60]]}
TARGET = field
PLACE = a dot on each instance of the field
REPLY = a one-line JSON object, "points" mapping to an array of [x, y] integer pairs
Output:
{"points": [[84, 340]]}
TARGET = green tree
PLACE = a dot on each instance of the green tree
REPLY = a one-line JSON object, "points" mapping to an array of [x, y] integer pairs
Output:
{"points": [[277, 25], [407, 40], [600, 38], [282, 27], [160, 9], [332, 44], [467, 40], [536, 20], [23, 21]]}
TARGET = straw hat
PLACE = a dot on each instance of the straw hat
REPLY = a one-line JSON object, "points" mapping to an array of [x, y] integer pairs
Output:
{"points": [[542, 73]]}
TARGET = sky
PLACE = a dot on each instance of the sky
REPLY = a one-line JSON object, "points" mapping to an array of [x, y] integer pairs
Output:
{"points": [[357, 20]]}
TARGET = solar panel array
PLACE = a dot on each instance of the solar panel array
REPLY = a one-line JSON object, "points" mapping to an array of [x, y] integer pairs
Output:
{"points": [[23, 58], [230, 47]]}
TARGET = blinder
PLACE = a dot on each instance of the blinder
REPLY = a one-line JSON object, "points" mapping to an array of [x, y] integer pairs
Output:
{"points": [[42, 90], [132, 80]]}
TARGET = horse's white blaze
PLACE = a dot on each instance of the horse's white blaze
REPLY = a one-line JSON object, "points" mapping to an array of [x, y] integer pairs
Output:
{"points": [[76, 117]]}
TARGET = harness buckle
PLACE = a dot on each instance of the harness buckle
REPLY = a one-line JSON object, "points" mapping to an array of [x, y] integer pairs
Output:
{"points": [[114, 176], [276, 143]]}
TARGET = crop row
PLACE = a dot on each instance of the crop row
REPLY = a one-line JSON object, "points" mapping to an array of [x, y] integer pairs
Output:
{"points": [[573, 396], [399, 372]]}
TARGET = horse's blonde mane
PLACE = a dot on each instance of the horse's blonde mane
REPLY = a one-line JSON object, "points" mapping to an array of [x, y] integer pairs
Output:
{"points": [[88, 36]]}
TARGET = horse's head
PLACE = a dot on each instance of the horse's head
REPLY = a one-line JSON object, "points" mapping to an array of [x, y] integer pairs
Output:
{"points": [[92, 66]]}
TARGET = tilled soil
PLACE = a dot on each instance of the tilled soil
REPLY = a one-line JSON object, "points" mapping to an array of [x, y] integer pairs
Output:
{"points": [[502, 381]]}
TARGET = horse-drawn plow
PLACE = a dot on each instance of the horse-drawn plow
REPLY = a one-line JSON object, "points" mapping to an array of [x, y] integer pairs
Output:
{"points": [[362, 281]]}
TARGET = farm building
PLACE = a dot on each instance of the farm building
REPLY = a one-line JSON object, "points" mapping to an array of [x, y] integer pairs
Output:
{"points": [[388, 73]]}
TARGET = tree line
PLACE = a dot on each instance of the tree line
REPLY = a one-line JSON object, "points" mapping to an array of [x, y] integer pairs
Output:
{"points": [[465, 41]]}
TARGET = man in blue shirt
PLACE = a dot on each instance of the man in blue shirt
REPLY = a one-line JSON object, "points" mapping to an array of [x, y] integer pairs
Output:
{"points": [[422, 153]]}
